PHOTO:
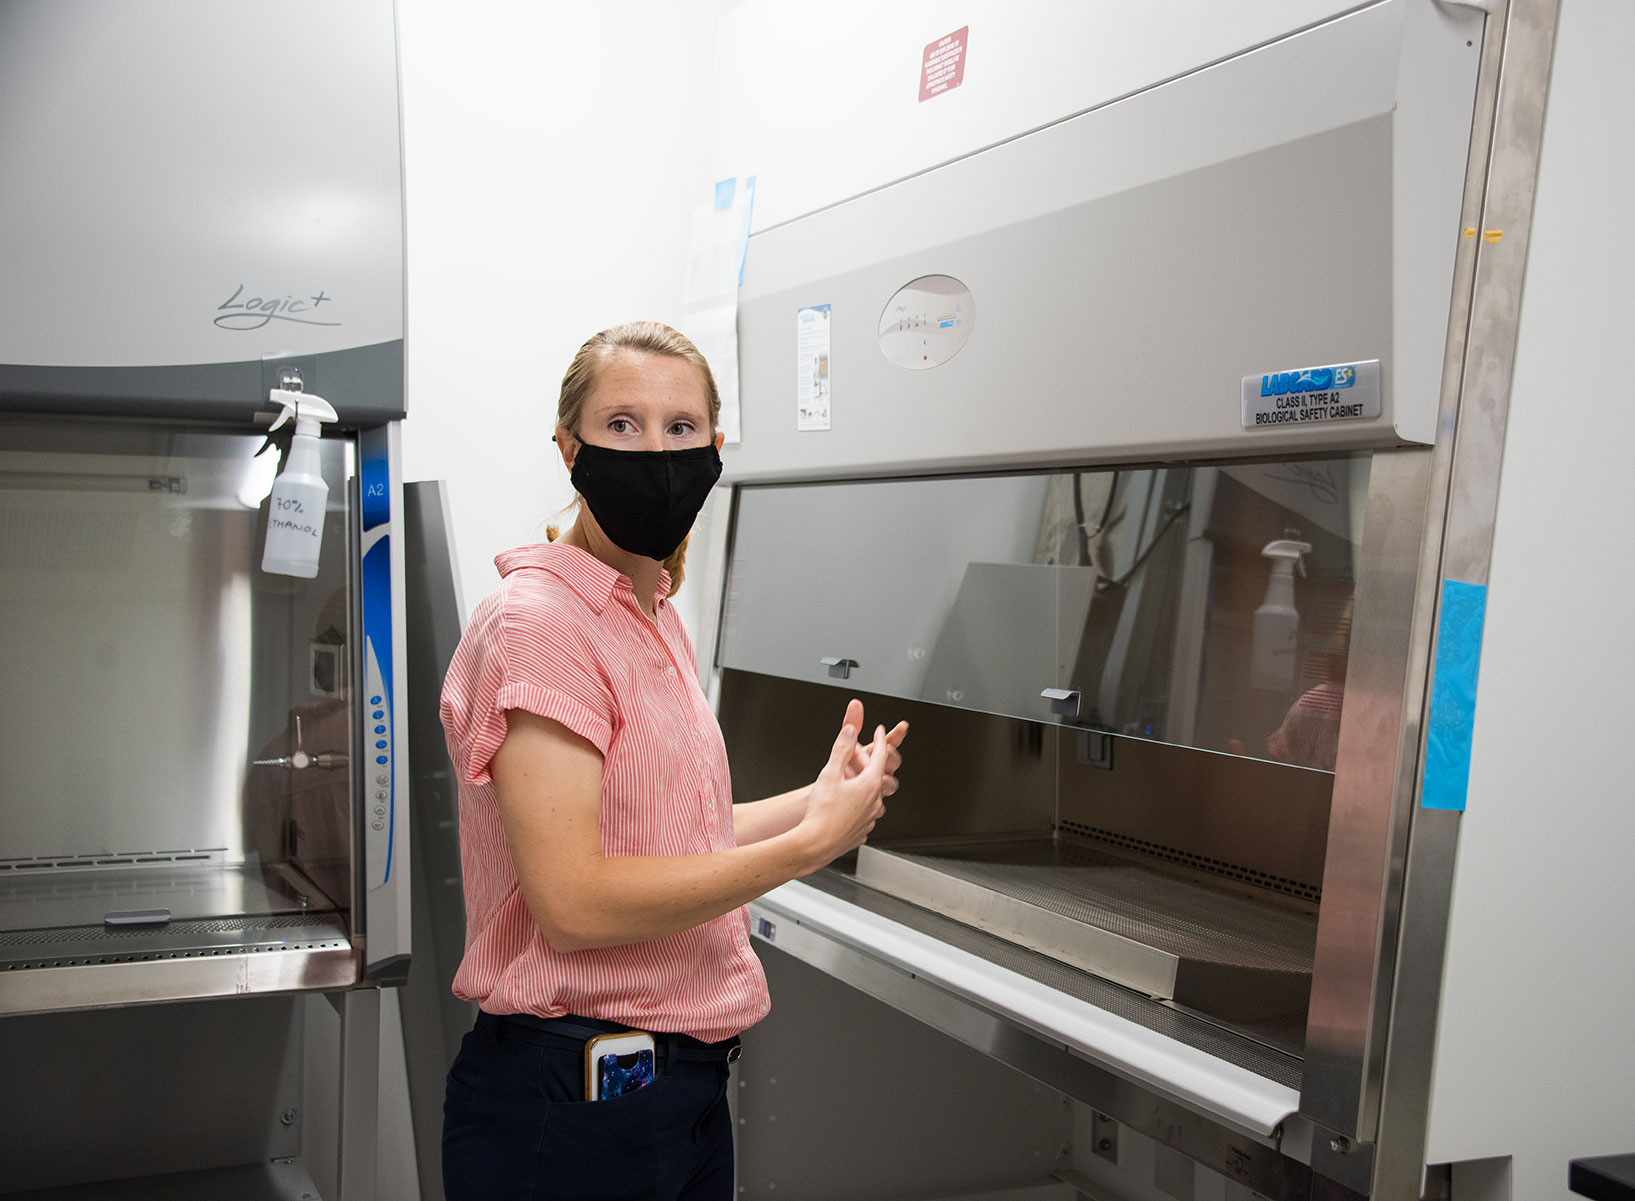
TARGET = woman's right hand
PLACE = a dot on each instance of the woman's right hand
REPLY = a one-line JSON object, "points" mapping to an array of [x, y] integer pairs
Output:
{"points": [[840, 812]]}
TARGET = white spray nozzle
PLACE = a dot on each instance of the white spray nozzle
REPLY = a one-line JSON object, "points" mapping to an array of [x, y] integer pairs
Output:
{"points": [[1287, 555], [307, 410]]}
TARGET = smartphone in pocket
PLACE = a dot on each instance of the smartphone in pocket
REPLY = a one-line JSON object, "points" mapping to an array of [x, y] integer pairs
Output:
{"points": [[617, 1063]]}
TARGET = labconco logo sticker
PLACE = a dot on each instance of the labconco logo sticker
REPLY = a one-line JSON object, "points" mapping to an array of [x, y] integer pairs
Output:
{"points": [[1312, 379], [1338, 392]]}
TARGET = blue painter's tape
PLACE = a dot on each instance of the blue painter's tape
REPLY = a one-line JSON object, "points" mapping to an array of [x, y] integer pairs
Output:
{"points": [[1453, 695], [724, 191]]}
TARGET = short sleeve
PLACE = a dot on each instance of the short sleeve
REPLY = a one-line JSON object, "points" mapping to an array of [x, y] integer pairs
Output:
{"points": [[532, 656]]}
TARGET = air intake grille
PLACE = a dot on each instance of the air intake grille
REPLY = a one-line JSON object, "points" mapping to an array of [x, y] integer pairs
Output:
{"points": [[224, 925], [154, 956], [1203, 863], [104, 859]]}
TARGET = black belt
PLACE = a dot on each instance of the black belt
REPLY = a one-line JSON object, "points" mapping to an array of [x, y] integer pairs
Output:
{"points": [[528, 1027]]}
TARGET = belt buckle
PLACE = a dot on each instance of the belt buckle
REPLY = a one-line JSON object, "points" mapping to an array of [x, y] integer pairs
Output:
{"points": [[733, 1054]]}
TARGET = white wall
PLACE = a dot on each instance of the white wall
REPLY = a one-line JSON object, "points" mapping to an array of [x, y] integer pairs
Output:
{"points": [[1536, 1045], [822, 102], [552, 162], [553, 158]]}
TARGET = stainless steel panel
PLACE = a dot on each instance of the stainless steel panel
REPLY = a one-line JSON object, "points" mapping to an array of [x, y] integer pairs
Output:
{"points": [[1263, 824], [329, 963], [1367, 830], [149, 660], [1155, 928], [1360, 989], [1009, 903], [1481, 363]]}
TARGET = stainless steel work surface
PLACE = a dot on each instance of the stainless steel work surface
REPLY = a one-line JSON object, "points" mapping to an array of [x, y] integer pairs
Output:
{"points": [[1138, 924], [30, 901]]}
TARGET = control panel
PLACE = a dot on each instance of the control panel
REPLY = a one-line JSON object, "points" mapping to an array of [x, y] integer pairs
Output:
{"points": [[926, 322]]}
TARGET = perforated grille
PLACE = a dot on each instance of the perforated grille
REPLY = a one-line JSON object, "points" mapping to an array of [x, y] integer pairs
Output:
{"points": [[1217, 867], [104, 859], [24, 965], [224, 925]]}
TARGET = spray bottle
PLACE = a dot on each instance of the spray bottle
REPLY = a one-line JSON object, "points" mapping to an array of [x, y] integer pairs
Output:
{"points": [[1277, 623], [295, 516]]}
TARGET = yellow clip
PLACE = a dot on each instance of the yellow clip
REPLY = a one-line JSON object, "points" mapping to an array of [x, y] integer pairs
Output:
{"points": [[1470, 231], [1492, 235]]}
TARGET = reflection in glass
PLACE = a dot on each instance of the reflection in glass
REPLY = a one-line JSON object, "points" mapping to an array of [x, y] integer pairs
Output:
{"points": [[1201, 606]]}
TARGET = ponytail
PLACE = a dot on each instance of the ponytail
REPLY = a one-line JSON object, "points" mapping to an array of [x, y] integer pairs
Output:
{"points": [[676, 565]]}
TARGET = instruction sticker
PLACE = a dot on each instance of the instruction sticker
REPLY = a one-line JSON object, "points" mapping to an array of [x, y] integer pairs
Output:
{"points": [[1338, 392], [812, 368]]}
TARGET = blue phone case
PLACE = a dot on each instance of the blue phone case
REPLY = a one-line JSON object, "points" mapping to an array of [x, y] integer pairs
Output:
{"points": [[621, 1074]]}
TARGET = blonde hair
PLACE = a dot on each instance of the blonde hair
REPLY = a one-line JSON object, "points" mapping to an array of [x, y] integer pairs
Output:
{"points": [[644, 337]]}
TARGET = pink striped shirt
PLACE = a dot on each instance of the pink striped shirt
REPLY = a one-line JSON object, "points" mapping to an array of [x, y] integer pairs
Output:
{"points": [[563, 637]]}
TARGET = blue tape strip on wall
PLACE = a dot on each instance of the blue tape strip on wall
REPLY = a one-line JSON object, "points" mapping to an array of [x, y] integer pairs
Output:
{"points": [[1453, 695]]}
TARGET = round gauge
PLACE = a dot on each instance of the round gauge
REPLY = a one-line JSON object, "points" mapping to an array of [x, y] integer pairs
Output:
{"points": [[926, 322]]}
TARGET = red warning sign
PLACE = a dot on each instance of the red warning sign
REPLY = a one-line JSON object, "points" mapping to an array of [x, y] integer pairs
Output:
{"points": [[943, 68]]}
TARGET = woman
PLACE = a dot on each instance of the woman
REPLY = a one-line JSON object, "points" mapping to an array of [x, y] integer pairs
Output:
{"points": [[606, 869]]}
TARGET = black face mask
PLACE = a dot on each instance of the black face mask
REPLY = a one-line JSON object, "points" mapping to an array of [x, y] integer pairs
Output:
{"points": [[645, 500]]}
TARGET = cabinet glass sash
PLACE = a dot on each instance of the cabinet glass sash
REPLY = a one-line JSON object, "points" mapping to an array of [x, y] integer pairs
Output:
{"points": [[1204, 606]]}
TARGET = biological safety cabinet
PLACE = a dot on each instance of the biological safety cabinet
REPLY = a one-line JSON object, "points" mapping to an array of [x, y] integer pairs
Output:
{"points": [[202, 761], [1148, 464]]}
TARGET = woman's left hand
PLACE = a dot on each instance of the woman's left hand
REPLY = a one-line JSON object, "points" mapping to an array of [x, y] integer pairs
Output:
{"points": [[860, 755]]}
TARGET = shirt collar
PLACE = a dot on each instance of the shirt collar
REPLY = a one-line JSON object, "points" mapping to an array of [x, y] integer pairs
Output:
{"points": [[592, 580]]}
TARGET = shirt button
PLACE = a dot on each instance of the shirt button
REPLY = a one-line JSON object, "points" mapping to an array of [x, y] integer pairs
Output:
{"points": [[670, 671]]}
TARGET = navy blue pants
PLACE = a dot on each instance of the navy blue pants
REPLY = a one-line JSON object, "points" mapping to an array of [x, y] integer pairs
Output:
{"points": [[516, 1126]]}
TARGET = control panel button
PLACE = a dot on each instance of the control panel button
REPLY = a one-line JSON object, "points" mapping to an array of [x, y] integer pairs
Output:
{"points": [[381, 759]]}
